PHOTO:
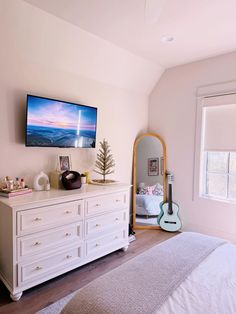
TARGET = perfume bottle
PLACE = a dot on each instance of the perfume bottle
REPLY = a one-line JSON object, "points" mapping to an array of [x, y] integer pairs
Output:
{"points": [[22, 183], [17, 183]]}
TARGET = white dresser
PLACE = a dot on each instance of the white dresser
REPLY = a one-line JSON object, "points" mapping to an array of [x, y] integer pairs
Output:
{"points": [[48, 233]]}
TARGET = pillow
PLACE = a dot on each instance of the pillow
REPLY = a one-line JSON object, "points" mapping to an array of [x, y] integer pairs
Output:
{"points": [[142, 190], [156, 189], [149, 190]]}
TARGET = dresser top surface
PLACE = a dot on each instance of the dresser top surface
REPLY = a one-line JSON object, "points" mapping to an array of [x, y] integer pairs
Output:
{"points": [[88, 190]]}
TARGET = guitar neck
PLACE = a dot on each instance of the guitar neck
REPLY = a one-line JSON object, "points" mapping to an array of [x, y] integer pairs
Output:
{"points": [[170, 209]]}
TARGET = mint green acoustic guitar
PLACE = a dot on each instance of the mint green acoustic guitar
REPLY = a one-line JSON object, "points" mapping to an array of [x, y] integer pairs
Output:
{"points": [[169, 219]]}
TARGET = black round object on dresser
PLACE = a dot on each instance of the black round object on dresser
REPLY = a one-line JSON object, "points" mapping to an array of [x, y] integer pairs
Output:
{"points": [[71, 180]]}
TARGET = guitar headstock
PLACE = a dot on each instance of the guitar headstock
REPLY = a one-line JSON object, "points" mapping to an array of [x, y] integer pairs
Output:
{"points": [[170, 178]]}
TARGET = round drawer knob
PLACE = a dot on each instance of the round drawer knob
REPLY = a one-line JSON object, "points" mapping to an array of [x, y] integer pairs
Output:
{"points": [[68, 256], [116, 219], [38, 219], [37, 243], [98, 205], [68, 234], [98, 225], [97, 244], [117, 201], [68, 212], [39, 268]]}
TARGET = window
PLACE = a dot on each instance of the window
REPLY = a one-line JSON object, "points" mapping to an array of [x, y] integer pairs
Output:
{"points": [[217, 148], [219, 180]]}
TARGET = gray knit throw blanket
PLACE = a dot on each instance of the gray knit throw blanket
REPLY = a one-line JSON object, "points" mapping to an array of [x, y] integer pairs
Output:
{"points": [[145, 282]]}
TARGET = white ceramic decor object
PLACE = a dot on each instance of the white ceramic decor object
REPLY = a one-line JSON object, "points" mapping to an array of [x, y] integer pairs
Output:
{"points": [[83, 180], [40, 181]]}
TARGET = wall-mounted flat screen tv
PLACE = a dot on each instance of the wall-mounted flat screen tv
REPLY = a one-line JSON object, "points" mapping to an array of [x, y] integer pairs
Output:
{"points": [[56, 123]]}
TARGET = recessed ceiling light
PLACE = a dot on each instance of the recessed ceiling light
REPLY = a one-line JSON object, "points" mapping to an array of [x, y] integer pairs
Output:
{"points": [[167, 39]]}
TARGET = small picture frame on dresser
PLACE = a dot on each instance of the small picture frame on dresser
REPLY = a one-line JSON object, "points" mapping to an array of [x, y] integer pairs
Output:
{"points": [[64, 163]]}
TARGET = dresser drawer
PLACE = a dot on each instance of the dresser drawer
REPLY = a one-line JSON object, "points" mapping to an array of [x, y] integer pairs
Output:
{"points": [[32, 271], [96, 225], [42, 218], [105, 203], [48, 240], [97, 246]]}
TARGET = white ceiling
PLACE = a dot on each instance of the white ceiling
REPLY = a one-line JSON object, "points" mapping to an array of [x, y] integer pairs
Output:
{"points": [[202, 28]]}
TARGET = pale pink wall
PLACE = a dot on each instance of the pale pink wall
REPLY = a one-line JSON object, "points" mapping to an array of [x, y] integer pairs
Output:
{"points": [[44, 55], [172, 114]]}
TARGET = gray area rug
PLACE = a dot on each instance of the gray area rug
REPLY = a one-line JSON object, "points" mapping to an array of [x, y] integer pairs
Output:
{"points": [[56, 307]]}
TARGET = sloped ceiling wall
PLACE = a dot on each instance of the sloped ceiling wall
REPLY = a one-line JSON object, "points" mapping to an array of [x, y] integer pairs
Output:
{"points": [[53, 42]]}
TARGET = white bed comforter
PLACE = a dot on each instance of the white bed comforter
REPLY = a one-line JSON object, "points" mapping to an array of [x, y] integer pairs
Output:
{"points": [[148, 204], [209, 289]]}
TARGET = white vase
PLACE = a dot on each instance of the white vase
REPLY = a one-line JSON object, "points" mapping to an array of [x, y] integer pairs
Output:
{"points": [[40, 181]]}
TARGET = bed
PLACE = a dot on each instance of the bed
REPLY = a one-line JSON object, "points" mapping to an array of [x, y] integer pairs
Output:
{"points": [[148, 199], [189, 274], [148, 205], [209, 289]]}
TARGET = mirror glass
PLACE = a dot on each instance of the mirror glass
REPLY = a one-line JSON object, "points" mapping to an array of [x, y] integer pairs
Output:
{"points": [[149, 186]]}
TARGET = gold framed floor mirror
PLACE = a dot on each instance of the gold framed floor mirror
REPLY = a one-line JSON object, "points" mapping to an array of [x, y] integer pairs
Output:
{"points": [[149, 180]]}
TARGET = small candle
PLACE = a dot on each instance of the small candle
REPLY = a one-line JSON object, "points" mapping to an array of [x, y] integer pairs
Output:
{"points": [[87, 176]]}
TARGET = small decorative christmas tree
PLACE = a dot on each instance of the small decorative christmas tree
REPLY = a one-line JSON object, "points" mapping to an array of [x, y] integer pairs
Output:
{"points": [[105, 162]]}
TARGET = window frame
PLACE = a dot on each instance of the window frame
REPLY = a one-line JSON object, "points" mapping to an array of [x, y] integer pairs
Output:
{"points": [[206, 96]]}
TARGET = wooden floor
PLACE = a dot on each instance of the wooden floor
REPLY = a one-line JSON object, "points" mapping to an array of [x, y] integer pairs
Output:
{"points": [[45, 294]]}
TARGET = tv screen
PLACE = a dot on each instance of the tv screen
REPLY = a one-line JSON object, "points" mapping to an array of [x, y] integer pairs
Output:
{"points": [[56, 123]]}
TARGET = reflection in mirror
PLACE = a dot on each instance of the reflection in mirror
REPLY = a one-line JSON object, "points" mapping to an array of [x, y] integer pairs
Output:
{"points": [[148, 180]]}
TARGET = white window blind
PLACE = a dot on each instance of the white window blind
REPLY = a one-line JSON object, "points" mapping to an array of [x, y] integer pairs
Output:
{"points": [[218, 147], [219, 123]]}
